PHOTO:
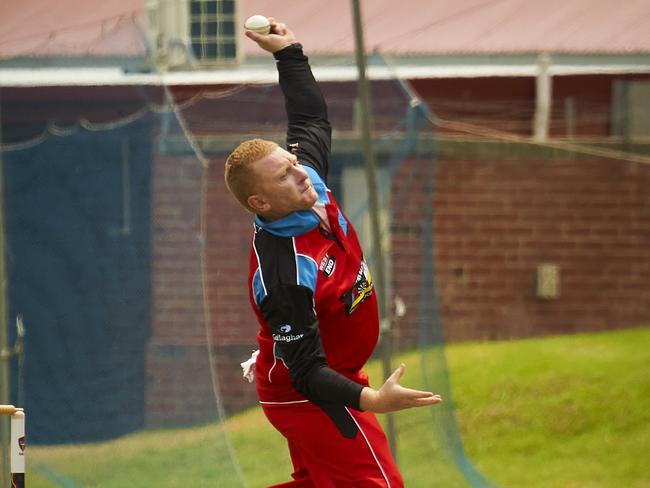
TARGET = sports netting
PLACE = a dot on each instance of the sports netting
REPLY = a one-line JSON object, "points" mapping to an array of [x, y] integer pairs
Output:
{"points": [[127, 259]]}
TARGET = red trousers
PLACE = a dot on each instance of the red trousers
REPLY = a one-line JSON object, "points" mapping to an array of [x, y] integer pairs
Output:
{"points": [[323, 458]]}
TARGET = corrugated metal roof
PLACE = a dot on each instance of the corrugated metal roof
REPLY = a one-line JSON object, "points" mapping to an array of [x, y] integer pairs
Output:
{"points": [[469, 26], [114, 27], [71, 28]]}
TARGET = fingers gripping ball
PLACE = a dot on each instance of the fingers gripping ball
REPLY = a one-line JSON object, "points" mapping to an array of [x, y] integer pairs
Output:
{"points": [[259, 24]]}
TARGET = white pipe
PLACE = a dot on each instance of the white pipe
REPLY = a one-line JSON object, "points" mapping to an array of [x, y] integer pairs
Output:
{"points": [[543, 98]]}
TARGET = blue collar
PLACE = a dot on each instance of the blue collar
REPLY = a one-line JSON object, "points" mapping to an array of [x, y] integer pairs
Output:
{"points": [[301, 221], [294, 224]]}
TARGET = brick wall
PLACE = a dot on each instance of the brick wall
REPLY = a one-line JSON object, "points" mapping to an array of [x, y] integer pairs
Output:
{"points": [[508, 103], [179, 387], [495, 220], [228, 232], [177, 324]]}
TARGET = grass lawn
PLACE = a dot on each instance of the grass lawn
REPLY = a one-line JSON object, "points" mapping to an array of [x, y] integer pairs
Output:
{"points": [[561, 412]]}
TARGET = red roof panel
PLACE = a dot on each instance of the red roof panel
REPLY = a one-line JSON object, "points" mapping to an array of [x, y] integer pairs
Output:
{"points": [[470, 26], [71, 28], [114, 27]]}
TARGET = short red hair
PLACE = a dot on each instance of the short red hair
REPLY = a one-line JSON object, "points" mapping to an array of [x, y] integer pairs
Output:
{"points": [[240, 179]]}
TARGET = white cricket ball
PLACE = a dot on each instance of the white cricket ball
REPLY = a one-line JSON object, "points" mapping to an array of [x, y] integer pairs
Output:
{"points": [[259, 24]]}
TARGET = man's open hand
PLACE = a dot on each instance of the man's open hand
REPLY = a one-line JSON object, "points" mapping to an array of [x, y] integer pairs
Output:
{"points": [[392, 397], [279, 37]]}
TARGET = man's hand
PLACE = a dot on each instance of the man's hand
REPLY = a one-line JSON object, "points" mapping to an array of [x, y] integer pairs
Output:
{"points": [[392, 397], [279, 37]]}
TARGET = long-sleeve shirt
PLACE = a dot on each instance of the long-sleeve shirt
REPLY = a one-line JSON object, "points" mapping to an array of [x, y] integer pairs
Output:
{"points": [[309, 284]]}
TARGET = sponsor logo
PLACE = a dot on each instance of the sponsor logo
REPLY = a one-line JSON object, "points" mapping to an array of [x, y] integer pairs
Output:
{"points": [[327, 265], [287, 338], [360, 291], [285, 328], [21, 444]]}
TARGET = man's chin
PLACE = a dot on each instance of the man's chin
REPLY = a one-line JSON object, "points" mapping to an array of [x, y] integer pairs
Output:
{"points": [[311, 197]]}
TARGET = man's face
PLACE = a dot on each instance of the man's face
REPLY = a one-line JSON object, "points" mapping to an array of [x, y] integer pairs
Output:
{"points": [[282, 186]]}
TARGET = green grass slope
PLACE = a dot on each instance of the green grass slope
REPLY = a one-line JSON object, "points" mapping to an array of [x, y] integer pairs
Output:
{"points": [[561, 412]]}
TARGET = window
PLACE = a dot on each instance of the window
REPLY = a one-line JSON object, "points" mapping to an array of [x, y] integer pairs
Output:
{"points": [[213, 30]]}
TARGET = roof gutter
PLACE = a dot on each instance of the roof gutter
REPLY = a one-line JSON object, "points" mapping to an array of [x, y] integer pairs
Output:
{"points": [[331, 69]]}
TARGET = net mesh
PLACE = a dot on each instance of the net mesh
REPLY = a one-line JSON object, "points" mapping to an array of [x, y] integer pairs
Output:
{"points": [[126, 258]]}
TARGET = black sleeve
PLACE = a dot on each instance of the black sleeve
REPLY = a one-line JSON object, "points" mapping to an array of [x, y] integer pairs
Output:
{"points": [[309, 134], [289, 312]]}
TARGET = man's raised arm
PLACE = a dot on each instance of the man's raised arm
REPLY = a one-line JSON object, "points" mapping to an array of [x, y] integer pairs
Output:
{"points": [[309, 132]]}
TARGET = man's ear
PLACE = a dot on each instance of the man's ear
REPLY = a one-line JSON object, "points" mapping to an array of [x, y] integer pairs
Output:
{"points": [[258, 204]]}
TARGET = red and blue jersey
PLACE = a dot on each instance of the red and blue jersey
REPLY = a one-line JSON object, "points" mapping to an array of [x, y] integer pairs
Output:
{"points": [[308, 282], [313, 296]]}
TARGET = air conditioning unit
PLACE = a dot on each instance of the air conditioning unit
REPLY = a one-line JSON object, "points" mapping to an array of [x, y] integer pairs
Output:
{"points": [[193, 34]]}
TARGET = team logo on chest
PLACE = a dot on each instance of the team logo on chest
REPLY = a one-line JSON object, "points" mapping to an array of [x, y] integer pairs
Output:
{"points": [[327, 265], [360, 291]]}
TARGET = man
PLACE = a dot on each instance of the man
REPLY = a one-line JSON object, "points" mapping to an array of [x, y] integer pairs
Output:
{"points": [[313, 296]]}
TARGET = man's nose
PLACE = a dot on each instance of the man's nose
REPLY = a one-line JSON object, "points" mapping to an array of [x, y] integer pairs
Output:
{"points": [[301, 172]]}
